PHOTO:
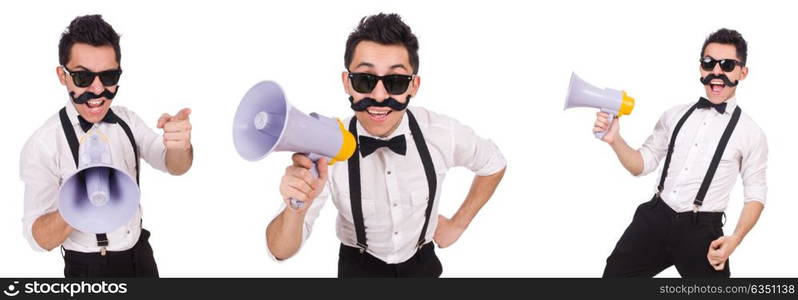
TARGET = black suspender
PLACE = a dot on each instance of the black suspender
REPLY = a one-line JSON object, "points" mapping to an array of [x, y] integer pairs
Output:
{"points": [[354, 191], [74, 146], [354, 182], [429, 170], [713, 166], [132, 140], [69, 133], [661, 185]]}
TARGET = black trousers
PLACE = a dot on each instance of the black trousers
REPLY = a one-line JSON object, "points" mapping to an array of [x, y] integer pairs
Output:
{"points": [[659, 238], [134, 262], [352, 263]]}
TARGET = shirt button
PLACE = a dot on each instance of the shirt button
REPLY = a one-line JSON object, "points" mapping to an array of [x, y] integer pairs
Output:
{"points": [[389, 172], [394, 205], [696, 144], [396, 232], [685, 169]]}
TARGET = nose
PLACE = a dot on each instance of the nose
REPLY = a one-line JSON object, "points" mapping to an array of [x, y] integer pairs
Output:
{"points": [[379, 92], [96, 86]]}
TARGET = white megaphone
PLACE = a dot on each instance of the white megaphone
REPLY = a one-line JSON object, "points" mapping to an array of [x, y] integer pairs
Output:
{"points": [[266, 122], [613, 102], [98, 197]]}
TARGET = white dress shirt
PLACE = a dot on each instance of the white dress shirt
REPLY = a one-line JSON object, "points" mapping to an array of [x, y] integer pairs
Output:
{"points": [[394, 187], [46, 162], [746, 154]]}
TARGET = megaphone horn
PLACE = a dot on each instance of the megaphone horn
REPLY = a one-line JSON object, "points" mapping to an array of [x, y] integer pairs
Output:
{"points": [[265, 122], [98, 197], [613, 102]]}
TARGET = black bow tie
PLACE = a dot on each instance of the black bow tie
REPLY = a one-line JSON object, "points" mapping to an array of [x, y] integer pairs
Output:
{"points": [[369, 145], [704, 103], [110, 117]]}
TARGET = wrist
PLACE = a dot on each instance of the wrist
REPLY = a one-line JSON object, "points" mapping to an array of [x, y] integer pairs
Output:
{"points": [[460, 222], [294, 213], [183, 150], [617, 141], [736, 239]]}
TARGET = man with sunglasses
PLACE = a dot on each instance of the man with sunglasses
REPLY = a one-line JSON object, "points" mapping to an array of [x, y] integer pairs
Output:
{"points": [[89, 57], [387, 193], [705, 145]]}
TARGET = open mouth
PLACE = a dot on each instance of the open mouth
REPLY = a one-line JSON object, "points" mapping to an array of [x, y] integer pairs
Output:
{"points": [[95, 106], [717, 86], [378, 115], [95, 103]]}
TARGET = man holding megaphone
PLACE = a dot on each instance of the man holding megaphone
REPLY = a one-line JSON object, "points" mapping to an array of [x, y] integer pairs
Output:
{"points": [[81, 168], [705, 145], [387, 192]]}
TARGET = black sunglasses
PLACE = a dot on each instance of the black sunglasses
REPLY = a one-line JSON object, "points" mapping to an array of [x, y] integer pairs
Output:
{"points": [[727, 65], [395, 84], [85, 78]]}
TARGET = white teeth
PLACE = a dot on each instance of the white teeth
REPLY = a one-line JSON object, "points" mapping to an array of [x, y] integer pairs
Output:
{"points": [[380, 113], [94, 103]]}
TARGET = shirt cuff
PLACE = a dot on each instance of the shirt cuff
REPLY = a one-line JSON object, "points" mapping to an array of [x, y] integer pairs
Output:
{"points": [[492, 169], [649, 162], [27, 231], [755, 193], [494, 165]]}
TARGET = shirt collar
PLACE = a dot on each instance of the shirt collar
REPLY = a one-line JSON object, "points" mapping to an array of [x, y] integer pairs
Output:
{"points": [[72, 112], [403, 128], [731, 104]]}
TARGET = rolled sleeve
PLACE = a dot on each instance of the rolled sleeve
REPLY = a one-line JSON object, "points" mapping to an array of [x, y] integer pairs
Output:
{"points": [[41, 186], [753, 169], [473, 152], [149, 142], [656, 146]]}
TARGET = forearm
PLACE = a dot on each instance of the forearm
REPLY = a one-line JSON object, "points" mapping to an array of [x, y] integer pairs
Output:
{"points": [[178, 161], [748, 218], [51, 230], [284, 233], [631, 159], [482, 189]]}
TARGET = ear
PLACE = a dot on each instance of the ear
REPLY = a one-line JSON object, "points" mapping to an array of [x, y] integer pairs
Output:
{"points": [[743, 73], [345, 82], [61, 75], [415, 84]]}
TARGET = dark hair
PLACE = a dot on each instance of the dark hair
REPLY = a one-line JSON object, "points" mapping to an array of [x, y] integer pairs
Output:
{"points": [[729, 37], [384, 29], [89, 29]]}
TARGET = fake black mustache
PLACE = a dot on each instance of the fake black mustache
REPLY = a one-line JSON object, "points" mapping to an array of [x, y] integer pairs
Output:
{"points": [[367, 102], [726, 80], [86, 96]]}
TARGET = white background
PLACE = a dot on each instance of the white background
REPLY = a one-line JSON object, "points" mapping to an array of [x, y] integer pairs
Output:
{"points": [[501, 67]]}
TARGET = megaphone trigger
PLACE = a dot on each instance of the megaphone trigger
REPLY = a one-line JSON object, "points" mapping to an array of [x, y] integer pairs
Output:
{"points": [[612, 116], [314, 170]]}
